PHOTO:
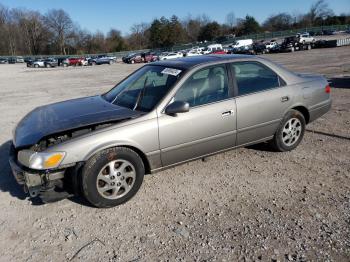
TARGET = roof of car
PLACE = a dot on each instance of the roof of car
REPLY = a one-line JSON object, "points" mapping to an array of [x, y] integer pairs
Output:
{"points": [[189, 62]]}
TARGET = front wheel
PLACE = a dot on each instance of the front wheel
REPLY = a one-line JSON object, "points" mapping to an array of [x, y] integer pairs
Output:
{"points": [[290, 132], [112, 177]]}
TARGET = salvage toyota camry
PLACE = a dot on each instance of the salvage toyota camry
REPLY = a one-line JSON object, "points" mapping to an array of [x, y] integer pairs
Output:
{"points": [[164, 114]]}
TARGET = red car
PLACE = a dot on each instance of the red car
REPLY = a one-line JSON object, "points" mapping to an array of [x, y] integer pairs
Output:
{"points": [[219, 52], [149, 57], [81, 61]]}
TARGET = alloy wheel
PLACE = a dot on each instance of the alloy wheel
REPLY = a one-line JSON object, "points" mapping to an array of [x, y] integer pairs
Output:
{"points": [[291, 131], [116, 179]]}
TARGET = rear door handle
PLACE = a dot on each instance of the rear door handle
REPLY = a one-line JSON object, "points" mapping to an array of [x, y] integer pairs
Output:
{"points": [[228, 113], [284, 98]]}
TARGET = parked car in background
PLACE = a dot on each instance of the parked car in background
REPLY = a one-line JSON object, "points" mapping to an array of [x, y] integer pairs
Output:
{"points": [[75, 61], [19, 59], [133, 58], [101, 59], [193, 52], [36, 63], [258, 48], [171, 55], [164, 114], [290, 44], [12, 60], [218, 52], [148, 57], [50, 62], [211, 48], [276, 48], [28, 59], [242, 43], [4, 60], [126, 59], [305, 38], [271, 45], [328, 32], [60, 60]]}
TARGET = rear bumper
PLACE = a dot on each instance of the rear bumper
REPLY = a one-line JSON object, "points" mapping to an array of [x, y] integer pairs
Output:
{"points": [[320, 110], [34, 182]]}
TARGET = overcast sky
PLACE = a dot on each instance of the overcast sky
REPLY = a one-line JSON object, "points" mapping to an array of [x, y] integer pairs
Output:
{"points": [[103, 15]]}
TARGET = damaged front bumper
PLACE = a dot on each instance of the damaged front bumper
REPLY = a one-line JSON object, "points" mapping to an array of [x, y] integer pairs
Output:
{"points": [[34, 182]]}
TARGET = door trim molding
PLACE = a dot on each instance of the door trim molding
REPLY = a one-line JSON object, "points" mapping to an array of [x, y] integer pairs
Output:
{"points": [[202, 140]]}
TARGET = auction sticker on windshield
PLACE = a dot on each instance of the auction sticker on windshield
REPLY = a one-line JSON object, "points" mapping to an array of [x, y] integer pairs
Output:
{"points": [[171, 71]]}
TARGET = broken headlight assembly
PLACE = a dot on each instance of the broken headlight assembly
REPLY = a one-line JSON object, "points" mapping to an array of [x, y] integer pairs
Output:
{"points": [[40, 160]]}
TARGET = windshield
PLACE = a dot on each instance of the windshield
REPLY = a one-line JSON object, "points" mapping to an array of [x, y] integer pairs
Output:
{"points": [[143, 89]]}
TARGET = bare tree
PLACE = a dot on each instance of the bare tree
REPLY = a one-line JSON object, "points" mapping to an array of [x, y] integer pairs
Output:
{"points": [[319, 11], [138, 37], [8, 30], [32, 29], [61, 25], [282, 21], [231, 20]]}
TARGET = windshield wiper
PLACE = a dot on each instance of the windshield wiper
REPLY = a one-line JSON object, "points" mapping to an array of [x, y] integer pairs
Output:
{"points": [[141, 94]]}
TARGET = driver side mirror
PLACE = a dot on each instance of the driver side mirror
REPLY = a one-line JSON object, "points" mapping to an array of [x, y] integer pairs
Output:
{"points": [[177, 107]]}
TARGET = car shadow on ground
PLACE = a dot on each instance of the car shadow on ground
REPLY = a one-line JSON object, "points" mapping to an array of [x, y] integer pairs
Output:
{"points": [[7, 181], [10, 185], [261, 147], [340, 82]]}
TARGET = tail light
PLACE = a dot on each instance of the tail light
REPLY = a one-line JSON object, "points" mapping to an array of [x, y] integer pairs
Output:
{"points": [[328, 89]]}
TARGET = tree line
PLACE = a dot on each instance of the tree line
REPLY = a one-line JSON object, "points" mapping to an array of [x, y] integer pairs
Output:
{"points": [[27, 32]]}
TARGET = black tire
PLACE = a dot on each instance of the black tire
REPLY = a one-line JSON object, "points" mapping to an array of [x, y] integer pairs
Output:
{"points": [[96, 163], [277, 142]]}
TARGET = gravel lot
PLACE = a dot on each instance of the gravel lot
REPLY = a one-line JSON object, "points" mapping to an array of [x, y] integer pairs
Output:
{"points": [[247, 204]]}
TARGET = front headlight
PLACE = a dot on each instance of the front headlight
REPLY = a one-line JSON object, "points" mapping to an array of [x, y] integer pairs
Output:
{"points": [[40, 160]]}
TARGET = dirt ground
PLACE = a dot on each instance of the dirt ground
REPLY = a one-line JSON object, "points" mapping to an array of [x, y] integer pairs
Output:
{"points": [[248, 204]]}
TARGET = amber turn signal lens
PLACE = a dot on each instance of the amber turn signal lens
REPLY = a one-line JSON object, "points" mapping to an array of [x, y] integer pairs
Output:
{"points": [[53, 160]]}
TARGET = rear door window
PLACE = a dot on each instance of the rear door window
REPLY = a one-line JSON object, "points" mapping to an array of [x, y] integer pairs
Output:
{"points": [[252, 77]]}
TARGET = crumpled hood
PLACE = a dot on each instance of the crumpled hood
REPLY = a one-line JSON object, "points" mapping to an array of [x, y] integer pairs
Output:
{"points": [[68, 115]]}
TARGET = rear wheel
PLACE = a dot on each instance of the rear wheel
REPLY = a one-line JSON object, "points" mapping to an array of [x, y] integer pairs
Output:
{"points": [[112, 177], [290, 132], [36, 65]]}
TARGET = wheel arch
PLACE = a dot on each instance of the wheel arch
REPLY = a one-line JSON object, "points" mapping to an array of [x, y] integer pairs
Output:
{"points": [[138, 151], [304, 111]]}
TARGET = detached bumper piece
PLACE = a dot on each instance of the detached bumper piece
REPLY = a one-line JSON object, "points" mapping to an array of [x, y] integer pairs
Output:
{"points": [[47, 185]]}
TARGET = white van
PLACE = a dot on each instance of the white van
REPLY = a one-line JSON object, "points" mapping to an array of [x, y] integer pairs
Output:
{"points": [[243, 43], [212, 48]]}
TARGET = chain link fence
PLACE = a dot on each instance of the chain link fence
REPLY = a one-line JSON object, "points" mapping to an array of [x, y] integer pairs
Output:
{"points": [[260, 36]]}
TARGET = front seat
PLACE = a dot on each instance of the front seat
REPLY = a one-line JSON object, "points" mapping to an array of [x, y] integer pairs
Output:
{"points": [[188, 92], [215, 89]]}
